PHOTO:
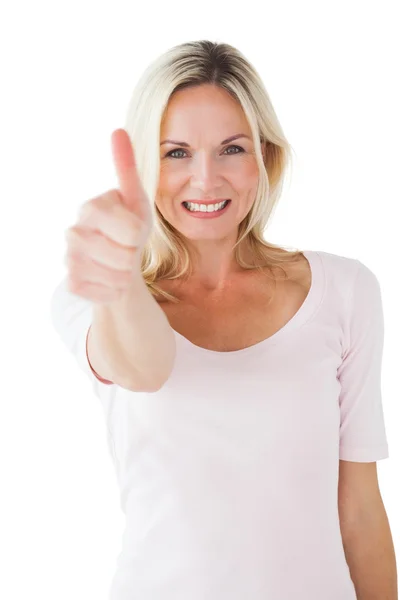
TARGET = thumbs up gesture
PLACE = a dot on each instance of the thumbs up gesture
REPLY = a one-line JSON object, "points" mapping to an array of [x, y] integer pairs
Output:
{"points": [[104, 247]]}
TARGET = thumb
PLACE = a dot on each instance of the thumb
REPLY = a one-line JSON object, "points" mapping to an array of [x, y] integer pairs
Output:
{"points": [[130, 185]]}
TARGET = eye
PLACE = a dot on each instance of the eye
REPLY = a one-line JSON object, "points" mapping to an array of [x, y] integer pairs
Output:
{"points": [[169, 154], [240, 148]]}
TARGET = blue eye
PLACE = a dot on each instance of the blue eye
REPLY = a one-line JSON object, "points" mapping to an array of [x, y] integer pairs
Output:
{"points": [[169, 154]]}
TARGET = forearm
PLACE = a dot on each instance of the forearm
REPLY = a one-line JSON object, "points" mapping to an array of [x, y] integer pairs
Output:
{"points": [[370, 556], [135, 339]]}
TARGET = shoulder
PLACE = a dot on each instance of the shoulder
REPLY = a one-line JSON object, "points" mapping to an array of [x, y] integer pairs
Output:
{"points": [[338, 262], [345, 268], [349, 281]]}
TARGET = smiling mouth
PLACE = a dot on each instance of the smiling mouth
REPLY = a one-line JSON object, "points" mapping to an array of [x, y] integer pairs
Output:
{"points": [[223, 203]]}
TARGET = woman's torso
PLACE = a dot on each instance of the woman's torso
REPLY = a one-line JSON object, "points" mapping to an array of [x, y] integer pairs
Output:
{"points": [[236, 455]]}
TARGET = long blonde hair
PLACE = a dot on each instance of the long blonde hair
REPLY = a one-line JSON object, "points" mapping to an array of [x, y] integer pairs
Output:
{"points": [[191, 64]]}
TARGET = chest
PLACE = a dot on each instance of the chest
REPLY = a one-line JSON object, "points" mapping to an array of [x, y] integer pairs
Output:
{"points": [[240, 318]]}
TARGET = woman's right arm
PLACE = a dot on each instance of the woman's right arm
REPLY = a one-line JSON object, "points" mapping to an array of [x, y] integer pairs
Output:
{"points": [[130, 341]]}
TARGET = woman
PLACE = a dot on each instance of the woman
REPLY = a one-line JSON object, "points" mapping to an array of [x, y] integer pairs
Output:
{"points": [[228, 467]]}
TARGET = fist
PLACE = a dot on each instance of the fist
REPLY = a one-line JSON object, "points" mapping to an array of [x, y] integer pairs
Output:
{"points": [[105, 245]]}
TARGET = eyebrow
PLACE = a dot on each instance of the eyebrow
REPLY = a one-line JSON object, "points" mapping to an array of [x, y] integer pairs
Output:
{"points": [[186, 145]]}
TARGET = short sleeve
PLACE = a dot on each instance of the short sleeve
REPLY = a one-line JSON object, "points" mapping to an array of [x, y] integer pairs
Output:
{"points": [[101, 379], [362, 426], [72, 318]]}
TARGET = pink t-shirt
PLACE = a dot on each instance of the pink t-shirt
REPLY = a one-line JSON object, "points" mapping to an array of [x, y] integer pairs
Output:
{"points": [[228, 474]]}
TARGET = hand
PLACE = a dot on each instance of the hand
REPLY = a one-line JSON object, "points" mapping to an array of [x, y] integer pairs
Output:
{"points": [[104, 248]]}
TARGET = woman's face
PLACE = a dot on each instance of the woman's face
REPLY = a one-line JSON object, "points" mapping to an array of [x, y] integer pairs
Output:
{"points": [[198, 166]]}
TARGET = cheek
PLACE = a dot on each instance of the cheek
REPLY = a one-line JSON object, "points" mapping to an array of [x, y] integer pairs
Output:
{"points": [[245, 177], [170, 179]]}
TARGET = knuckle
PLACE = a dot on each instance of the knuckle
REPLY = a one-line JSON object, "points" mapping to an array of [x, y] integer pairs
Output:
{"points": [[105, 202], [99, 204], [74, 259], [70, 235], [85, 209], [74, 234], [74, 268], [74, 285], [74, 246], [88, 210]]}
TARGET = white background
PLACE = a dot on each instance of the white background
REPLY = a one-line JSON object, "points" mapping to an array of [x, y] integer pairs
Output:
{"points": [[67, 73]]}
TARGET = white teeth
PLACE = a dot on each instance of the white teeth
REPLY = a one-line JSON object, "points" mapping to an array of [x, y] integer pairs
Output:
{"points": [[194, 207]]}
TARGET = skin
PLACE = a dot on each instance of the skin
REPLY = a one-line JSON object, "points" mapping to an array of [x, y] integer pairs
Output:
{"points": [[203, 117]]}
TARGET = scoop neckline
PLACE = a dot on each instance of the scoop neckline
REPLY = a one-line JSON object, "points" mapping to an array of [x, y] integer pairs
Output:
{"points": [[303, 315]]}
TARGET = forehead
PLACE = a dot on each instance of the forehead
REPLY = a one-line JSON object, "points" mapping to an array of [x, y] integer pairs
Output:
{"points": [[193, 108]]}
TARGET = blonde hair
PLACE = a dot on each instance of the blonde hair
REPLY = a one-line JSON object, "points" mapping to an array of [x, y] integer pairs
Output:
{"points": [[191, 64]]}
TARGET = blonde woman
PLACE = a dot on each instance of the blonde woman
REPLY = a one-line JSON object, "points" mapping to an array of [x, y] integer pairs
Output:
{"points": [[240, 381]]}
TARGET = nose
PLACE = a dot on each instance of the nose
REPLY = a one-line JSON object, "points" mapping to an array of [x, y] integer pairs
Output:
{"points": [[205, 172]]}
